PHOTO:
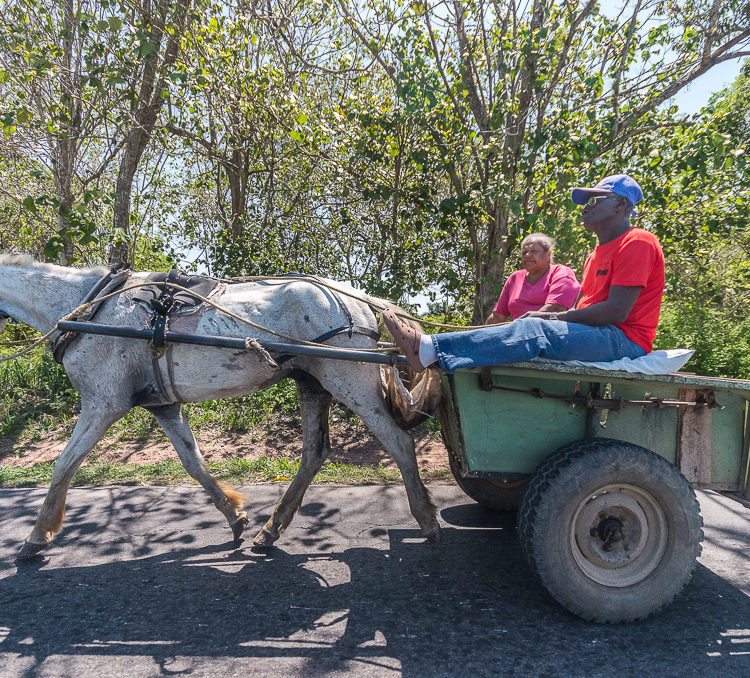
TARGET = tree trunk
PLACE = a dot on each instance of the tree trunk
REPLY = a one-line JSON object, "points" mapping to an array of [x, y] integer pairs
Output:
{"points": [[148, 104], [65, 145]]}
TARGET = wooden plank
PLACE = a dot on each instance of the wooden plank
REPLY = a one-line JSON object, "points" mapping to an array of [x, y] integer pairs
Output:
{"points": [[694, 446]]}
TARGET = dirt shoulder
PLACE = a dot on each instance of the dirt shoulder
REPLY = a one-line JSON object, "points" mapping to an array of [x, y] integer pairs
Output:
{"points": [[351, 443]]}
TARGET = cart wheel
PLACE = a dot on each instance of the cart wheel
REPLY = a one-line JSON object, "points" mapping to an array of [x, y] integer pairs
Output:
{"points": [[497, 494], [611, 529]]}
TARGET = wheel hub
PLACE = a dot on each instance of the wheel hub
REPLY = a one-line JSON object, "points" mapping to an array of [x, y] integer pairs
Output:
{"points": [[618, 535], [609, 531]]}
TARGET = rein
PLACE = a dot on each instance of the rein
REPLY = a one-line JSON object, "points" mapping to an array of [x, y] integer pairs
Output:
{"points": [[373, 302], [376, 305], [87, 306]]}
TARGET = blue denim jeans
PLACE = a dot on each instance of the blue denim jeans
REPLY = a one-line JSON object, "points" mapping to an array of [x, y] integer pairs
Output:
{"points": [[527, 338]]}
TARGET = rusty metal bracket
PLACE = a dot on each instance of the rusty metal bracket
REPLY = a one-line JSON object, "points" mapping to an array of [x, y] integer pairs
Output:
{"points": [[703, 399]]}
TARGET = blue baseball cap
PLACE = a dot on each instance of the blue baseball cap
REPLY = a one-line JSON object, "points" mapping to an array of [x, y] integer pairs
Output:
{"points": [[620, 184]]}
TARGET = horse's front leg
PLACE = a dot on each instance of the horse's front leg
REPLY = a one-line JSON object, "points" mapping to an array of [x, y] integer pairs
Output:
{"points": [[230, 502], [315, 402], [92, 424]]}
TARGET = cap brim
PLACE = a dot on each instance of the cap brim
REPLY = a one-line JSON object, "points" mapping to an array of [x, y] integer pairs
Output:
{"points": [[580, 196]]}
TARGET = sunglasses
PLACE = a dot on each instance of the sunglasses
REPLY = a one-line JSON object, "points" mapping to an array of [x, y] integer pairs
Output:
{"points": [[593, 199]]}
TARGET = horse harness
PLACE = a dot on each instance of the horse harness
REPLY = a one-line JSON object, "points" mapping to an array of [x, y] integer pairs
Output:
{"points": [[166, 302], [111, 281]]}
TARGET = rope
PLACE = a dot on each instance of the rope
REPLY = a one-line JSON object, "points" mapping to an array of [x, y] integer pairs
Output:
{"points": [[371, 301], [252, 344], [39, 341], [374, 302]]}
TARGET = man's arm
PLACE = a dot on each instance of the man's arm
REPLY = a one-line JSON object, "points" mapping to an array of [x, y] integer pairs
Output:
{"points": [[615, 309]]}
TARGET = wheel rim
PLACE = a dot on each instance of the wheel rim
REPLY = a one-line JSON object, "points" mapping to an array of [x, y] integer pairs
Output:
{"points": [[618, 535]]}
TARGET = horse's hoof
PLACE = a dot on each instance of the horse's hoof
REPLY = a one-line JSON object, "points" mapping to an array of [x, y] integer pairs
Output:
{"points": [[264, 539], [433, 536], [238, 527], [30, 549]]}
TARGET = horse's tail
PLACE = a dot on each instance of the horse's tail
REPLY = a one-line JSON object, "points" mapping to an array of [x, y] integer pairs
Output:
{"points": [[411, 398]]}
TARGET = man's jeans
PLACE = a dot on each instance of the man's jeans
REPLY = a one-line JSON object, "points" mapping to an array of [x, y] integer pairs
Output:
{"points": [[527, 338]]}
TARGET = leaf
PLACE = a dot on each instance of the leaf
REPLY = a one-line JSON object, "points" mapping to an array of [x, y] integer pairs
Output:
{"points": [[29, 204], [52, 249], [145, 47], [115, 24], [295, 135], [302, 119]]}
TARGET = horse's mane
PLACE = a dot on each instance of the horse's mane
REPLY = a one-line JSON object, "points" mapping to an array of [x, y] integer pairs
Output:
{"points": [[27, 261], [16, 260]]}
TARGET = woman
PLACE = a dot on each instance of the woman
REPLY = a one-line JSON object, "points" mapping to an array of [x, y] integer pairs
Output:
{"points": [[541, 285]]}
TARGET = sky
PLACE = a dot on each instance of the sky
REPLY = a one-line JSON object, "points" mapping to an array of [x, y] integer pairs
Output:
{"points": [[696, 95]]}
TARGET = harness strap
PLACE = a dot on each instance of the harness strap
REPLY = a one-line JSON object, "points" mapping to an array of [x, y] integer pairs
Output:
{"points": [[160, 316], [113, 279], [349, 329], [158, 347]]}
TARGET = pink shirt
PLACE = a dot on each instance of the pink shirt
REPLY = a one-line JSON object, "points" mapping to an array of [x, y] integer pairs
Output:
{"points": [[557, 286]]}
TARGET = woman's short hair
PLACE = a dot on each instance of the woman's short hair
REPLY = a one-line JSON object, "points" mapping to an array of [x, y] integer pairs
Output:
{"points": [[542, 238]]}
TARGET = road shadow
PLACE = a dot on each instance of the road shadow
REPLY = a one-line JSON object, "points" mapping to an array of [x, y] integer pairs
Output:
{"points": [[469, 607]]}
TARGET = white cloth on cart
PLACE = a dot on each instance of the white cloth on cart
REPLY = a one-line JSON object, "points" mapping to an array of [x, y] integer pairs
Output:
{"points": [[656, 362]]}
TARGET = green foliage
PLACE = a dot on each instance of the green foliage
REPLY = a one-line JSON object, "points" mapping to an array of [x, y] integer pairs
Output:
{"points": [[235, 470], [38, 397], [406, 148], [36, 393]]}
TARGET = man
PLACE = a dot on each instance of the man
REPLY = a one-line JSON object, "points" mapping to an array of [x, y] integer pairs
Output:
{"points": [[616, 314]]}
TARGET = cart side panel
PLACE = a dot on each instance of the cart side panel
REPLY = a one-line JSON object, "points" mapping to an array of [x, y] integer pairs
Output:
{"points": [[509, 432], [450, 423], [727, 438], [654, 428]]}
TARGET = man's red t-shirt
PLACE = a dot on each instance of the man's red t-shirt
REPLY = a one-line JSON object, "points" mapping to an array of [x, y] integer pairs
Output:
{"points": [[635, 259]]}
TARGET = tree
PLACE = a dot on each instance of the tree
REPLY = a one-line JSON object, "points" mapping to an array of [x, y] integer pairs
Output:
{"points": [[53, 71], [158, 27], [520, 100]]}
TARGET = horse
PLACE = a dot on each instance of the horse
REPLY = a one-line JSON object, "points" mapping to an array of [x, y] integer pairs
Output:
{"points": [[115, 374]]}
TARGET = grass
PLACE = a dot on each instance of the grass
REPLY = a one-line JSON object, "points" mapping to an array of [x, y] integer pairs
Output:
{"points": [[38, 401], [36, 398], [234, 470]]}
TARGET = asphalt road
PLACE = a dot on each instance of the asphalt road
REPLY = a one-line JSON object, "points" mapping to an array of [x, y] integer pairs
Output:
{"points": [[146, 582]]}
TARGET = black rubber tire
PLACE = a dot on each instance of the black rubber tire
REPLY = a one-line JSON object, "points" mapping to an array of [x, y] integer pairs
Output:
{"points": [[496, 494], [575, 492]]}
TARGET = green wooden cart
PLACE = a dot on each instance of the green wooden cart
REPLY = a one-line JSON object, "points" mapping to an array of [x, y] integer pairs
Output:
{"points": [[602, 467]]}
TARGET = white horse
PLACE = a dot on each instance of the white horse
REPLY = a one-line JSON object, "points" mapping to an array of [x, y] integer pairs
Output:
{"points": [[114, 374]]}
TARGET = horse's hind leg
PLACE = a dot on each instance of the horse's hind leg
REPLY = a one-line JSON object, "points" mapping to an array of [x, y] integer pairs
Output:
{"points": [[358, 387], [90, 427], [314, 402], [230, 502]]}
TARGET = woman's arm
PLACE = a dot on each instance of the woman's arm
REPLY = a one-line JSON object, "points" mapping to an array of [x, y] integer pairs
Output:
{"points": [[553, 308], [615, 309], [494, 318]]}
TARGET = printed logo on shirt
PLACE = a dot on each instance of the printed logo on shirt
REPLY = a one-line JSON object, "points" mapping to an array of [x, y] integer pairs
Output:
{"points": [[602, 271]]}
